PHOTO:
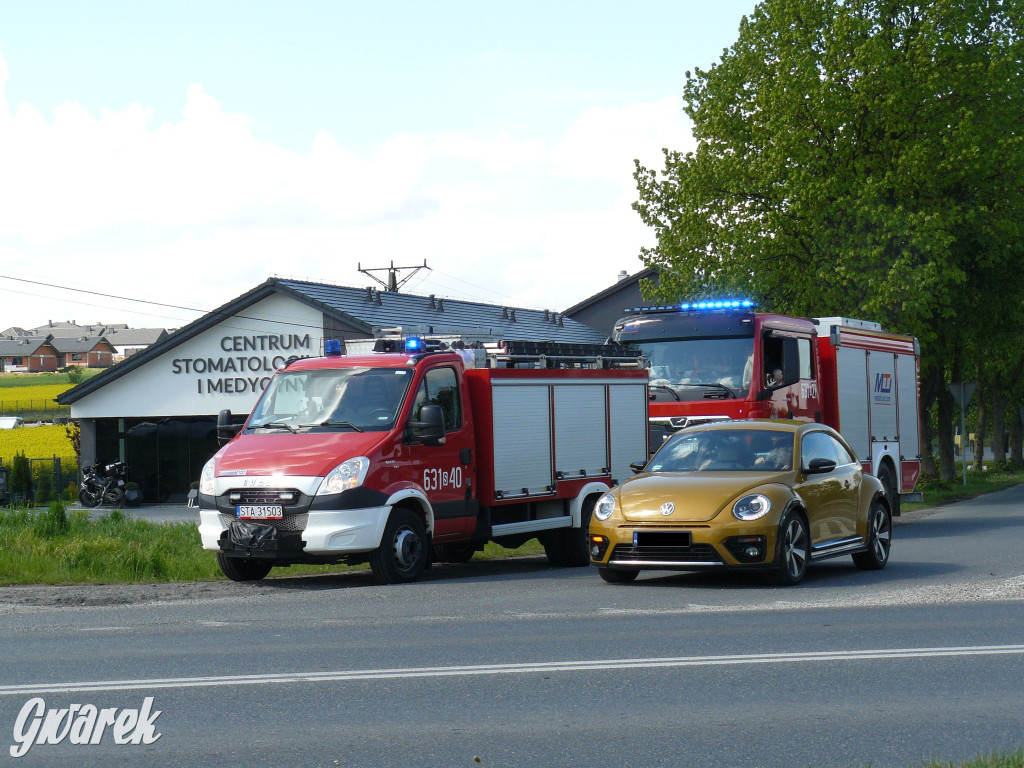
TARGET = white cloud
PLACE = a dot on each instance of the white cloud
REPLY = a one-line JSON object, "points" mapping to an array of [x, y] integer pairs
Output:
{"points": [[197, 210]]}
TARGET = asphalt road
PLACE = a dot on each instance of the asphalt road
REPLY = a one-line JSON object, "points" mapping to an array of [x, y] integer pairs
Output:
{"points": [[515, 664]]}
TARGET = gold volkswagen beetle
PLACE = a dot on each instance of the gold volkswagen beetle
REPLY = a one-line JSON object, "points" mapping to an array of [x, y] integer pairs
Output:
{"points": [[759, 495]]}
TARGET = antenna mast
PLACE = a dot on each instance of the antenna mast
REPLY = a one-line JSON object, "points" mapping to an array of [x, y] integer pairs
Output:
{"points": [[393, 283]]}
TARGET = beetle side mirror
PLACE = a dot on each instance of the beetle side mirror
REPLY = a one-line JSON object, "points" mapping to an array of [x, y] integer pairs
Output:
{"points": [[638, 466], [819, 467], [429, 430]]}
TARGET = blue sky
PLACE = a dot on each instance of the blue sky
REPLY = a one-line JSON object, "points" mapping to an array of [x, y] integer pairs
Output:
{"points": [[194, 149]]}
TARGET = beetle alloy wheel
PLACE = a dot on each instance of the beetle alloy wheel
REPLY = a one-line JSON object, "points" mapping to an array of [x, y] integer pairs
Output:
{"points": [[795, 548], [882, 538]]}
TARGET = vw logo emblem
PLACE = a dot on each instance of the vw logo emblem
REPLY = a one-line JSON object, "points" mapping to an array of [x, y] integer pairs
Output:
{"points": [[668, 508]]}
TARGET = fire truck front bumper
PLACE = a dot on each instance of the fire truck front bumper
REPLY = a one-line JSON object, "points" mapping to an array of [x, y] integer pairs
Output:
{"points": [[322, 532]]}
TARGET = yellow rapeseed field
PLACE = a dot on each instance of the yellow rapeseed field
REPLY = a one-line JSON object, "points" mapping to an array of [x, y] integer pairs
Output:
{"points": [[40, 442], [15, 398]]}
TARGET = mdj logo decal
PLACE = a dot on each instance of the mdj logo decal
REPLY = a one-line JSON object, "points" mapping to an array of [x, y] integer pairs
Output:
{"points": [[883, 389]]}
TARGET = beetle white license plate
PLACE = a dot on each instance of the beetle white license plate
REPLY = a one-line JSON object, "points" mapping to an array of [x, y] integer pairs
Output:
{"points": [[259, 511]]}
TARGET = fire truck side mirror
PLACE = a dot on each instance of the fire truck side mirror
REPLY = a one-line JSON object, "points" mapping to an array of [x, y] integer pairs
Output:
{"points": [[225, 429], [429, 430]]}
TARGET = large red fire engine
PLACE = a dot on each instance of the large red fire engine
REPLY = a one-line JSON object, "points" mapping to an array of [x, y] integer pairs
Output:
{"points": [[402, 454], [716, 360]]}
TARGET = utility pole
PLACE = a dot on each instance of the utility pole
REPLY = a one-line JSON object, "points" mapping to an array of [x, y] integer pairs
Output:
{"points": [[393, 283]]}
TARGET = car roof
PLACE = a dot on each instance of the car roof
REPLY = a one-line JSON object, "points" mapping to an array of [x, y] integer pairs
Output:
{"points": [[774, 425]]}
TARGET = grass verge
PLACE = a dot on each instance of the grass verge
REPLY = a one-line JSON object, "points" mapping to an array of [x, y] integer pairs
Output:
{"points": [[54, 546], [994, 760], [937, 492]]}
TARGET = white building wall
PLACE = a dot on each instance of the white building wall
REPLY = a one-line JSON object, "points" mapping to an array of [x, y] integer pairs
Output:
{"points": [[226, 366]]}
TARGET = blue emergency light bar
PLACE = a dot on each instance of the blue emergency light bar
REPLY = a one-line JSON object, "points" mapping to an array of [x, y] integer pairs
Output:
{"points": [[414, 344], [718, 304], [703, 305], [332, 347]]}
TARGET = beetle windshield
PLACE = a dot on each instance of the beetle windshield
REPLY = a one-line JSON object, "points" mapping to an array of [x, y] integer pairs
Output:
{"points": [[743, 450], [355, 399]]}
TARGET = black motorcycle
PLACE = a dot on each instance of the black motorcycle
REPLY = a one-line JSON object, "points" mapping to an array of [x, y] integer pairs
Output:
{"points": [[102, 485]]}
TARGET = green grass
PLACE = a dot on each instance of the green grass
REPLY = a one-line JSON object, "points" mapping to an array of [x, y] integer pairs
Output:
{"points": [[936, 492], [994, 760], [53, 546], [11, 380]]}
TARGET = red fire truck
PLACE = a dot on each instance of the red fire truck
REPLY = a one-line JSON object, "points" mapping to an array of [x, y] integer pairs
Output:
{"points": [[423, 451], [717, 360]]}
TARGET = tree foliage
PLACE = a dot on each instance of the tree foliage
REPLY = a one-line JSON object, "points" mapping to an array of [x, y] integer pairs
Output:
{"points": [[859, 158]]}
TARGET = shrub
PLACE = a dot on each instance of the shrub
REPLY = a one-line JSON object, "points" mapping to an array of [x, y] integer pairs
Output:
{"points": [[21, 474]]}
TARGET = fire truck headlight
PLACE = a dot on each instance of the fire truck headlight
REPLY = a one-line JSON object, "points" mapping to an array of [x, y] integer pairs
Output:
{"points": [[348, 474], [604, 507], [206, 479]]}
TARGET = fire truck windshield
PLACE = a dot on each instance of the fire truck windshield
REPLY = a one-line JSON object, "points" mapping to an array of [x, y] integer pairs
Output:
{"points": [[691, 368], [355, 399]]}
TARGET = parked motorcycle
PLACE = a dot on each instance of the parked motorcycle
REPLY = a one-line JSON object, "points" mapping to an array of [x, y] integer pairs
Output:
{"points": [[102, 485]]}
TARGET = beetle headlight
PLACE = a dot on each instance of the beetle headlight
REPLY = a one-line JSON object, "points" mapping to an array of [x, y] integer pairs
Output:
{"points": [[206, 479], [349, 474], [604, 507], [752, 507]]}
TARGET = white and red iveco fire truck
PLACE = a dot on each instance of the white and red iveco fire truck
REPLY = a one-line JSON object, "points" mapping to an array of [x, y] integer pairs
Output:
{"points": [[395, 457], [717, 360]]}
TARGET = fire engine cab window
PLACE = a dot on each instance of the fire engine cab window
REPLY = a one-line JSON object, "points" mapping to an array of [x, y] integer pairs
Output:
{"points": [[365, 399], [440, 387]]}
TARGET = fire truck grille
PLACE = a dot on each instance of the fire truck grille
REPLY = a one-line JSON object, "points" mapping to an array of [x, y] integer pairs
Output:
{"points": [[286, 497], [287, 523], [697, 553]]}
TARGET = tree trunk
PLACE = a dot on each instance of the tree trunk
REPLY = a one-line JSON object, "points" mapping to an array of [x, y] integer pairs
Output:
{"points": [[931, 382], [1016, 439], [998, 423], [946, 410], [981, 397]]}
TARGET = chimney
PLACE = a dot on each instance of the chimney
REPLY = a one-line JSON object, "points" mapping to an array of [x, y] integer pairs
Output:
{"points": [[623, 275]]}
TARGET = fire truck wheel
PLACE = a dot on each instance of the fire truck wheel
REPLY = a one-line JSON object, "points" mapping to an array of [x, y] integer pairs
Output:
{"points": [[240, 569], [888, 481], [570, 547], [617, 577], [879, 540], [454, 553], [403, 550]]}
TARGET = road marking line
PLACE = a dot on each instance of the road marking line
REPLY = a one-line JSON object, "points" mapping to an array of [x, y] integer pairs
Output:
{"points": [[506, 669]]}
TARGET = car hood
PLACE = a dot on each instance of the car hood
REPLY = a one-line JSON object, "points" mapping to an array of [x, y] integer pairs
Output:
{"points": [[696, 496], [312, 454]]}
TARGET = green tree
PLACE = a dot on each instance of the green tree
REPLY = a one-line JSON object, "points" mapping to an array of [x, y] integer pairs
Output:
{"points": [[857, 157], [21, 476]]}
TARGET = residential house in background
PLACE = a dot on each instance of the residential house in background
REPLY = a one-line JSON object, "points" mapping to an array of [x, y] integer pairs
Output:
{"points": [[27, 355], [84, 351]]}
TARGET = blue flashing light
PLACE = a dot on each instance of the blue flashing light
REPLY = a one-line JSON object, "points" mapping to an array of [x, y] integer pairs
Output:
{"points": [[413, 344], [332, 347], [712, 304]]}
